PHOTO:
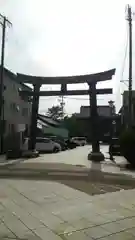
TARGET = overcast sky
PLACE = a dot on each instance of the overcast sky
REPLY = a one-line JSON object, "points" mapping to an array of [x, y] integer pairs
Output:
{"points": [[68, 37]]}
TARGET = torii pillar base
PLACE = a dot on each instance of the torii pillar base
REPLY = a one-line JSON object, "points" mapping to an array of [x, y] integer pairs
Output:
{"points": [[96, 156]]}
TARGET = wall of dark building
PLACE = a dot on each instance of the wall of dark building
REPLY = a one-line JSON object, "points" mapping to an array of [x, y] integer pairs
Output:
{"points": [[17, 109], [103, 128]]}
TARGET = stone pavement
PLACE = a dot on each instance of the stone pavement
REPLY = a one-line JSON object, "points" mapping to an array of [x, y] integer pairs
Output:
{"points": [[49, 210], [7, 163]]}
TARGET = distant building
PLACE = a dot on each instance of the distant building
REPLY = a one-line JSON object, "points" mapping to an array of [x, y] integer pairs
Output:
{"points": [[103, 111], [17, 108], [104, 121]]}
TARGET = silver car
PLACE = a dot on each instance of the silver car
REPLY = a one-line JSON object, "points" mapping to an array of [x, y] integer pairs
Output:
{"points": [[43, 145]]}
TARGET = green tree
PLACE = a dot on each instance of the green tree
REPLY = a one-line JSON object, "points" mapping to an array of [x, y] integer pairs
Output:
{"points": [[55, 112], [73, 126]]}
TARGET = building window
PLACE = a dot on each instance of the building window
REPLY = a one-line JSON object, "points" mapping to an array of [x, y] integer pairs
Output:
{"points": [[24, 96], [25, 112], [15, 107]]}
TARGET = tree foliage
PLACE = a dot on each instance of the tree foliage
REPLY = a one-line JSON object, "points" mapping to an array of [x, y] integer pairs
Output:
{"points": [[73, 125], [127, 145], [55, 112]]}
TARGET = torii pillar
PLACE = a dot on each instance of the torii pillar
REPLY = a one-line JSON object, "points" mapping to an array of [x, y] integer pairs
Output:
{"points": [[95, 155], [34, 116]]}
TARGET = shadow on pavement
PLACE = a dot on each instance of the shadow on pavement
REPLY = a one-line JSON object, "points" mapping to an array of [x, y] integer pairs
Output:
{"points": [[93, 188], [92, 182], [89, 180]]}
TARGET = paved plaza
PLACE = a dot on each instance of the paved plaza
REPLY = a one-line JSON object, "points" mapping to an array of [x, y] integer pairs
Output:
{"points": [[50, 210], [97, 205]]}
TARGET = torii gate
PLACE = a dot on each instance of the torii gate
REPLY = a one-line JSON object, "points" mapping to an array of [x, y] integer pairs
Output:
{"points": [[90, 79]]}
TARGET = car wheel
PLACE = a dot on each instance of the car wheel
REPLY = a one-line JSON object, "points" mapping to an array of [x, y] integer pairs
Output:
{"points": [[56, 150]]}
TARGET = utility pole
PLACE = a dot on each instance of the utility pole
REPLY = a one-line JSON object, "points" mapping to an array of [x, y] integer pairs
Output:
{"points": [[129, 18], [62, 103], [3, 22]]}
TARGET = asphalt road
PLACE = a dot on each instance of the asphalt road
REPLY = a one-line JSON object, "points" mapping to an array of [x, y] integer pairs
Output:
{"points": [[72, 160], [77, 156]]}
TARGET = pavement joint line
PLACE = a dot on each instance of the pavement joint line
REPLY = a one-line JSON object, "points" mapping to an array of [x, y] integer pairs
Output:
{"points": [[30, 200], [9, 229], [103, 224], [96, 225], [29, 212], [32, 230], [64, 234], [74, 231]]}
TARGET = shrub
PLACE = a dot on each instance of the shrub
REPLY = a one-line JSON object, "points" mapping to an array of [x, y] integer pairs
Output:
{"points": [[127, 145]]}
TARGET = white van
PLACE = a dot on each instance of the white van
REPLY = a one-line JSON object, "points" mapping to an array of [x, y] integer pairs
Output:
{"points": [[80, 141], [43, 145]]}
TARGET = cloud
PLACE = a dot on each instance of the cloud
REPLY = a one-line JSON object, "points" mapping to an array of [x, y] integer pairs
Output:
{"points": [[62, 37]]}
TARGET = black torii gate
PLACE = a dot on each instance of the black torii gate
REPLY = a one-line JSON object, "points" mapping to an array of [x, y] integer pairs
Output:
{"points": [[90, 79]]}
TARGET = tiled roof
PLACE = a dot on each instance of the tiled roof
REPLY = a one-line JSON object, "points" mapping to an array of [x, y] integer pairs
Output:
{"points": [[48, 121]]}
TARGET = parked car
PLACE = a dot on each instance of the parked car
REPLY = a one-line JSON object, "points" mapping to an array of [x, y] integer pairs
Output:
{"points": [[80, 141], [114, 147], [70, 144], [60, 141], [44, 145]]}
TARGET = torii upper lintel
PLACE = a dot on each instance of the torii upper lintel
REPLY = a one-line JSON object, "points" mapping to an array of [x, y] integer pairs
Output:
{"points": [[97, 77]]}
